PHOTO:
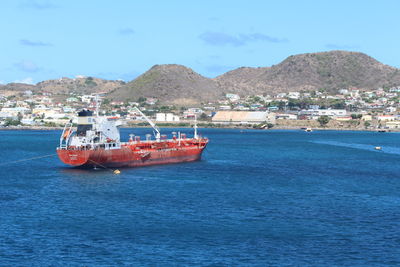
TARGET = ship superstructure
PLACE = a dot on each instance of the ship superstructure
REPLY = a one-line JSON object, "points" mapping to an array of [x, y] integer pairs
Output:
{"points": [[95, 142]]}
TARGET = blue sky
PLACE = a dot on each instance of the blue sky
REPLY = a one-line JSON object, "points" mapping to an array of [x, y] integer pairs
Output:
{"points": [[120, 39]]}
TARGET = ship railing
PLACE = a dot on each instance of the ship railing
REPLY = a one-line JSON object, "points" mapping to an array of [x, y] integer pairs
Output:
{"points": [[116, 145], [79, 148], [66, 134], [185, 139]]}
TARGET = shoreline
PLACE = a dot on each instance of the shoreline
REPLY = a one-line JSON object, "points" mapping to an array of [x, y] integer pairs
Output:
{"points": [[45, 128]]}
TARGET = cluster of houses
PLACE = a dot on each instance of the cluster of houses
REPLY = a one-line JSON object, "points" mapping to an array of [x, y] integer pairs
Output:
{"points": [[380, 105]]}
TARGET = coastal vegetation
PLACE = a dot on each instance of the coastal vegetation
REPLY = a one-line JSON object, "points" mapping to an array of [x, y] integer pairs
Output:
{"points": [[323, 120], [11, 122]]}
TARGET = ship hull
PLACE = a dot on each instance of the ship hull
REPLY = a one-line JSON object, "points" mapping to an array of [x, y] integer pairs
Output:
{"points": [[128, 157]]}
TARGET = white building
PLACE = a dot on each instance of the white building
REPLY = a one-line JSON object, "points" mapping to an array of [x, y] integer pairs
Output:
{"points": [[386, 117], [281, 95], [294, 95], [391, 109], [166, 117], [171, 117], [194, 111], [332, 112], [160, 116], [6, 115], [232, 97], [87, 99], [72, 99], [28, 121], [68, 109], [241, 107], [225, 107], [286, 116], [15, 111], [315, 113], [355, 93]]}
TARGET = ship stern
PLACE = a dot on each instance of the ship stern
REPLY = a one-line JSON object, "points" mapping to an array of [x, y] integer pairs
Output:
{"points": [[74, 157]]}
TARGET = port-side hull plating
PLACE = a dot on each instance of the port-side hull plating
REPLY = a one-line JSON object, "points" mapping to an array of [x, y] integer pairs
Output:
{"points": [[132, 155]]}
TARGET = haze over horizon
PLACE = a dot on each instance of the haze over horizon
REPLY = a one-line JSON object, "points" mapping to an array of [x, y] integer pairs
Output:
{"points": [[52, 39]]}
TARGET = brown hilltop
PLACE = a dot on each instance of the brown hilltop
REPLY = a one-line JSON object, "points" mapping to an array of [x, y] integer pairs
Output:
{"points": [[84, 85], [330, 70], [64, 86], [16, 87], [169, 83], [177, 84]]}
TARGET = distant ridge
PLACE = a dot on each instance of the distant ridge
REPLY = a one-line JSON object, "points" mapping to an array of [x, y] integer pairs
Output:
{"points": [[83, 85], [177, 84], [79, 85], [329, 70]]}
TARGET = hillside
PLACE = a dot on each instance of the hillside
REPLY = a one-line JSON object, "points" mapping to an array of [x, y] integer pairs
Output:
{"points": [[329, 70], [84, 85], [177, 84], [170, 83], [64, 86], [13, 88]]}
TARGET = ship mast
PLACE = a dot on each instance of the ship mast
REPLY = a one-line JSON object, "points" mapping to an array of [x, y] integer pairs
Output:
{"points": [[97, 105], [195, 127]]}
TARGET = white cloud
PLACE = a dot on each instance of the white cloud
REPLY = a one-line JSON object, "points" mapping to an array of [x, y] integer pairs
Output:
{"points": [[33, 43], [126, 31], [221, 38], [27, 80], [27, 66], [40, 5]]}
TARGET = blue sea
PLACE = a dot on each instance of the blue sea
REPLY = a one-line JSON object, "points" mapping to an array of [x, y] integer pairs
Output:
{"points": [[257, 198]]}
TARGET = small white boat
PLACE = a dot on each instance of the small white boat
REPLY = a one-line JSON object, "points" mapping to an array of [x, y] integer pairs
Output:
{"points": [[308, 130]]}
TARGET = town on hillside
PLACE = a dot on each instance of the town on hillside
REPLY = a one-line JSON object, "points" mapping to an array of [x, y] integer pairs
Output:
{"points": [[349, 108]]}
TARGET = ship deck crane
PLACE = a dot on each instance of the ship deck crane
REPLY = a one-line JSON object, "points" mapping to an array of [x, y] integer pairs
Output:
{"points": [[152, 124]]}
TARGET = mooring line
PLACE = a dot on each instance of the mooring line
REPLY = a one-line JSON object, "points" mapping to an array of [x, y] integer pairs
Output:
{"points": [[116, 171], [50, 155], [21, 160]]}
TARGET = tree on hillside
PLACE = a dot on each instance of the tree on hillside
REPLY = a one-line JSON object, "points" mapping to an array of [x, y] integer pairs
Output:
{"points": [[106, 101], [323, 120], [356, 116], [203, 117], [141, 99], [11, 122], [90, 82]]}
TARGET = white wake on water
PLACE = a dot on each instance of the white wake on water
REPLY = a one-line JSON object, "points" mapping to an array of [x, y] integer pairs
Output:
{"points": [[368, 147]]}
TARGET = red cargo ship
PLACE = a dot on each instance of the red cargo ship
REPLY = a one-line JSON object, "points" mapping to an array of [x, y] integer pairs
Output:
{"points": [[96, 143]]}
